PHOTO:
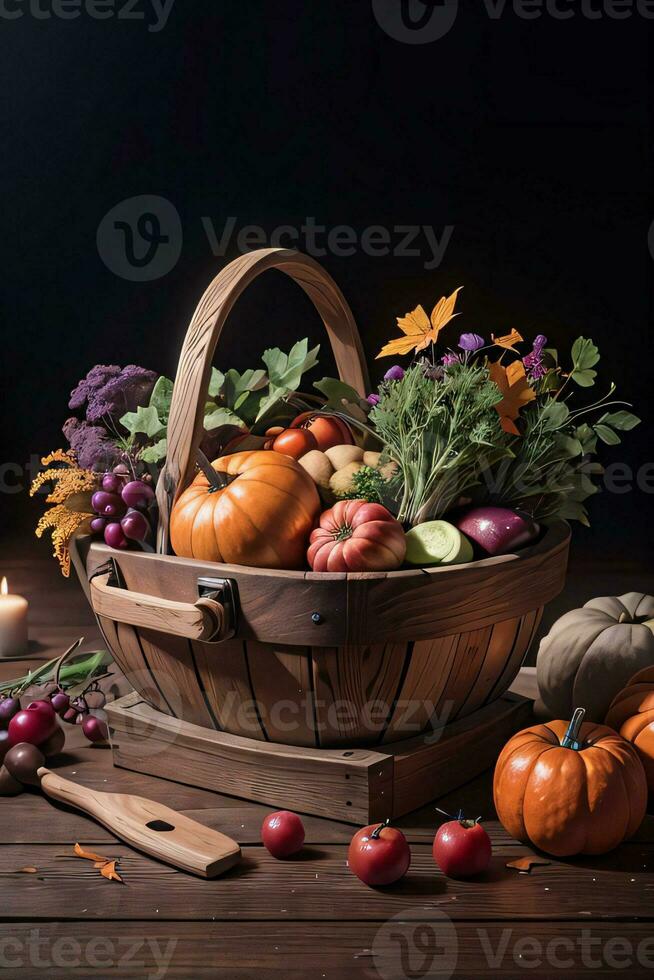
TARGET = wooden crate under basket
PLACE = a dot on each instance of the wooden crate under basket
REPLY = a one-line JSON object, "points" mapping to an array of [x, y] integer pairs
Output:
{"points": [[354, 785]]}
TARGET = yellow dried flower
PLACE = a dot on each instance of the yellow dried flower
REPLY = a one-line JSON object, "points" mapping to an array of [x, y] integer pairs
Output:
{"points": [[68, 481], [64, 523]]}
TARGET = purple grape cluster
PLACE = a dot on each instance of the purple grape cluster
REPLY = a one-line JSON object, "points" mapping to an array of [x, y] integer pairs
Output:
{"points": [[121, 507], [77, 711]]}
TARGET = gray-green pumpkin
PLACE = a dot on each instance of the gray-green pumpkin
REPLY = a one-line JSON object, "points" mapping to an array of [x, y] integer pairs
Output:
{"points": [[591, 653]]}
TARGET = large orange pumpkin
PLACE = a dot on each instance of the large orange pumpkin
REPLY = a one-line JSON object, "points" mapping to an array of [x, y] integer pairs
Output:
{"points": [[262, 517], [632, 714], [584, 799]]}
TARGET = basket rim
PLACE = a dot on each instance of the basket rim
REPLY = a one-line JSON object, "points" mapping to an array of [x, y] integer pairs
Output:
{"points": [[557, 535]]}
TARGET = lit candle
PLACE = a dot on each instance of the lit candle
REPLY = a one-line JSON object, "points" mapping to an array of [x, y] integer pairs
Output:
{"points": [[13, 623]]}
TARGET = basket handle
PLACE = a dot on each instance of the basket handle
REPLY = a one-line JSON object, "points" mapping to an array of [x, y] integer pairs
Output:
{"points": [[194, 368], [204, 620]]}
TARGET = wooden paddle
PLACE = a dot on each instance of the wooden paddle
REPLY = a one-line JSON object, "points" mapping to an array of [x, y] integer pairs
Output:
{"points": [[148, 826]]}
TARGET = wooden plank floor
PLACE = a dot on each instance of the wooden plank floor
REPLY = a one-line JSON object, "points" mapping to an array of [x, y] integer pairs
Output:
{"points": [[304, 918]]}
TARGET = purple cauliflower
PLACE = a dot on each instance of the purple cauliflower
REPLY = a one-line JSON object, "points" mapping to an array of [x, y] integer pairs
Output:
{"points": [[94, 381], [109, 391], [92, 445], [373, 399], [395, 373]]}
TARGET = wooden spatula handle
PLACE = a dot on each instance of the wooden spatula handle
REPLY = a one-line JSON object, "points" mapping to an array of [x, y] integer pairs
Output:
{"points": [[149, 826]]}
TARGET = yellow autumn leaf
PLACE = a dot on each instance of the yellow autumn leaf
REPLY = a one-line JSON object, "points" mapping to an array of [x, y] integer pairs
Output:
{"points": [[419, 329], [513, 384], [443, 312], [508, 341]]}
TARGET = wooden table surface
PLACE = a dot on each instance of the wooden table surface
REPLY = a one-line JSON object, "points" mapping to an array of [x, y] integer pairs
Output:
{"points": [[305, 918]]}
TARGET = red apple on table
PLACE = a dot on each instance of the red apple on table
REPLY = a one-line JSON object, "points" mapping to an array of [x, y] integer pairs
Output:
{"points": [[379, 854], [497, 530], [282, 833], [33, 724], [462, 848]]}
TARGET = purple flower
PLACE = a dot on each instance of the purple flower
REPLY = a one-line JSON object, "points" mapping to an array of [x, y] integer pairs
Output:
{"points": [[450, 359], [396, 373], [93, 446], [471, 341], [373, 400], [110, 390], [533, 362]]}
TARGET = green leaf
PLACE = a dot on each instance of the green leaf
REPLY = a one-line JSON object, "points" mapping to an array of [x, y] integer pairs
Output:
{"points": [[623, 421], [155, 453], [336, 392], [606, 434], [551, 381], [573, 510], [584, 357], [145, 420], [586, 437], [553, 353], [221, 416], [554, 415], [216, 382], [568, 444], [285, 370], [161, 397], [241, 392]]}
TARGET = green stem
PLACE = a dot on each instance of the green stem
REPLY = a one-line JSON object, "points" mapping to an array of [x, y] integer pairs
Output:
{"points": [[571, 737]]}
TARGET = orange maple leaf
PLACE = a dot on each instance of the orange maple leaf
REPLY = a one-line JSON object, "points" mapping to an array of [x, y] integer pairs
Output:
{"points": [[419, 329], [89, 855], [109, 871], [508, 340], [512, 382]]}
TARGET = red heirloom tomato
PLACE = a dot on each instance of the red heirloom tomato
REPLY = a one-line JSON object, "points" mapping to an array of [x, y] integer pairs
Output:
{"points": [[294, 442], [355, 536], [327, 430], [282, 833], [462, 848], [379, 854]]}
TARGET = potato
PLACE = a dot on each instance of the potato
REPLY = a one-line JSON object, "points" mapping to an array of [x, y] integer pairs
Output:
{"points": [[387, 470], [340, 456], [342, 481], [318, 466]]}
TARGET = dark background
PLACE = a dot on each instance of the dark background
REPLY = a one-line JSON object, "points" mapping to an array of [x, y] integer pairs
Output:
{"points": [[532, 138]]}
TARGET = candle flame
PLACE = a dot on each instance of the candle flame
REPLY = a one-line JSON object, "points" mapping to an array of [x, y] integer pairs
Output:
{"points": [[4, 588]]}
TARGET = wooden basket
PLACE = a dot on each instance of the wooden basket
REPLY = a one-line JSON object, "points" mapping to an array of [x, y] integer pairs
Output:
{"points": [[303, 658]]}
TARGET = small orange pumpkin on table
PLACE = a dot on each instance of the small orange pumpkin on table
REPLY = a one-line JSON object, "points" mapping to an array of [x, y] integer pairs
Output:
{"points": [[632, 714], [258, 510], [570, 788]]}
